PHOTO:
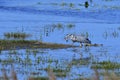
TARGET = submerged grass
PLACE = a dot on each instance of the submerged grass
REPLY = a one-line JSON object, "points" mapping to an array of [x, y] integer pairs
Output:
{"points": [[114, 34], [51, 76]]}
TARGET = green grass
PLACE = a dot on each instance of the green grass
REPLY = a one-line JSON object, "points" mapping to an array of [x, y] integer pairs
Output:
{"points": [[70, 25], [58, 72], [63, 4], [16, 35], [38, 78], [71, 5], [114, 34], [106, 65], [26, 44], [96, 76]]}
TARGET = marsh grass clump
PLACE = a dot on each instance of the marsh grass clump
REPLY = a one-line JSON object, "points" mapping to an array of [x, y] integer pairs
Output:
{"points": [[86, 4], [56, 72], [61, 74], [71, 5], [59, 25], [84, 61], [106, 65], [15, 44], [70, 25], [38, 78], [8, 61], [115, 34], [16, 35], [63, 4], [105, 75], [105, 34]]}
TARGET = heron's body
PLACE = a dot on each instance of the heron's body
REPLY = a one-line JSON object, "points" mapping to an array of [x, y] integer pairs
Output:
{"points": [[77, 38]]}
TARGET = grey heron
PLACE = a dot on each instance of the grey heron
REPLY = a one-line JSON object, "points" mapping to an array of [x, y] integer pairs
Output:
{"points": [[77, 38]]}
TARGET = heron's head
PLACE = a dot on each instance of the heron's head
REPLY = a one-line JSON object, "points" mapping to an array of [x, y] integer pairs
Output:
{"points": [[69, 37]]}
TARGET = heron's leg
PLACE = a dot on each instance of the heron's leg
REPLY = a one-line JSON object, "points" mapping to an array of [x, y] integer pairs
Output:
{"points": [[81, 45], [72, 43], [85, 44]]}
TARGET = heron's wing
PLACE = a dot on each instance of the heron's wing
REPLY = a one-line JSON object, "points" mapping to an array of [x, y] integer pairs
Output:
{"points": [[80, 38]]}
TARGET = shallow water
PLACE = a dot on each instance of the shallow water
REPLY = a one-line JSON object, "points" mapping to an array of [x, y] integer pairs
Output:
{"points": [[50, 23]]}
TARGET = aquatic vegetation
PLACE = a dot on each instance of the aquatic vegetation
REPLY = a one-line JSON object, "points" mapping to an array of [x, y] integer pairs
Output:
{"points": [[59, 26], [61, 74], [71, 5], [82, 61], [51, 76], [41, 38], [49, 28], [16, 35], [69, 63], [105, 65], [7, 61], [105, 34], [57, 72], [38, 60], [24, 44], [86, 4], [12, 52], [86, 34], [35, 51], [38, 78], [113, 33], [70, 25], [115, 7], [78, 9], [63, 4]]}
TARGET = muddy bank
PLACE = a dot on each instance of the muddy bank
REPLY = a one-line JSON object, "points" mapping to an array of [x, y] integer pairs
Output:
{"points": [[23, 44]]}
